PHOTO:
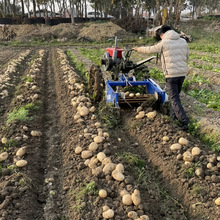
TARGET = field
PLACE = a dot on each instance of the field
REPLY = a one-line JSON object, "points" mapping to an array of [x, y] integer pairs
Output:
{"points": [[58, 148]]}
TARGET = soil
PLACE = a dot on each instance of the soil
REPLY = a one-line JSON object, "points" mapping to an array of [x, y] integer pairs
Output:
{"points": [[55, 174], [65, 32], [52, 184]]}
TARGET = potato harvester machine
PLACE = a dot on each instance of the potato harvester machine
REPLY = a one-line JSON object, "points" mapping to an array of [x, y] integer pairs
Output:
{"points": [[121, 85]]}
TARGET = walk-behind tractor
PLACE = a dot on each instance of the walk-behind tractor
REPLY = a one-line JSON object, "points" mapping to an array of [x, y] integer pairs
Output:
{"points": [[119, 79]]}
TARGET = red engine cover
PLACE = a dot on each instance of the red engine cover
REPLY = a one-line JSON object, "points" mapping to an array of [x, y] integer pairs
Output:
{"points": [[110, 50]]}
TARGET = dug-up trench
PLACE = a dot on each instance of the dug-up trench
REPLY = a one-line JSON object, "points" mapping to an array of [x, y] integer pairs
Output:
{"points": [[64, 173]]}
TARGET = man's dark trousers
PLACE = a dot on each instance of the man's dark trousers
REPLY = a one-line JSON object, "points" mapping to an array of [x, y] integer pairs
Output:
{"points": [[173, 87]]}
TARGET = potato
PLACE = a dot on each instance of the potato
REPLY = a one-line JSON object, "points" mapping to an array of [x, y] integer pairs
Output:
{"points": [[175, 147], [120, 168], [80, 120], [101, 156], [98, 124], [139, 109], [108, 214], [87, 162], [98, 139], [151, 115], [133, 215], [36, 133], [140, 115], [94, 160], [126, 199], [217, 201], [83, 111], [199, 172], [131, 95], [96, 171], [76, 116], [144, 217], [209, 165], [188, 157], [4, 140], [100, 134], [108, 168], [106, 161], [166, 138], [21, 152], [136, 198], [138, 94], [78, 150], [93, 117], [124, 192], [92, 109], [93, 146], [105, 208], [118, 176], [127, 93], [86, 154], [102, 193], [106, 135], [196, 151], [3, 156], [183, 141], [21, 163]]}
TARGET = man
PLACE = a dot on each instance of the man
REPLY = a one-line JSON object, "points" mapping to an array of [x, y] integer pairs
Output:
{"points": [[174, 55]]}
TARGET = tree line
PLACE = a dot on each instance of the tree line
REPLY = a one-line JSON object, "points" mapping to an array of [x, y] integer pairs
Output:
{"points": [[165, 11]]}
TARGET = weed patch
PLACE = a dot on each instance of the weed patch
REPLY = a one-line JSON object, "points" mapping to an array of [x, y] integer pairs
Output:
{"points": [[198, 191], [93, 54], [210, 59], [89, 188], [109, 114], [11, 143], [157, 75], [20, 114], [189, 172], [210, 98], [132, 159], [79, 65], [211, 140]]}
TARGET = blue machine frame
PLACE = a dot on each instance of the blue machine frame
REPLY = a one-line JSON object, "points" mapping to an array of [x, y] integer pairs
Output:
{"points": [[112, 96]]}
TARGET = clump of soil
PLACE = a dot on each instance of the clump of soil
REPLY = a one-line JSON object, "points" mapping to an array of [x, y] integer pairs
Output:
{"points": [[98, 32], [64, 32], [43, 32]]}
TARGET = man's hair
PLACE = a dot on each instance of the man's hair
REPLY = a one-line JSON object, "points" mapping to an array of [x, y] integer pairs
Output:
{"points": [[164, 29]]}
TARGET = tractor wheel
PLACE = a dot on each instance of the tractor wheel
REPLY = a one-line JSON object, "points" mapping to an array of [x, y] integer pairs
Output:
{"points": [[96, 83]]}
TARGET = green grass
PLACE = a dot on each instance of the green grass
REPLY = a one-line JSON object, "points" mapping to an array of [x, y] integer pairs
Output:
{"points": [[207, 47], [210, 98], [11, 143], [109, 114], [93, 54], [194, 79], [198, 191], [210, 140], [27, 79], [190, 171], [208, 67], [20, 114], [84, 191], [210, 59], [157, 75], [132, 159], [23, 113], [78, 65]]}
